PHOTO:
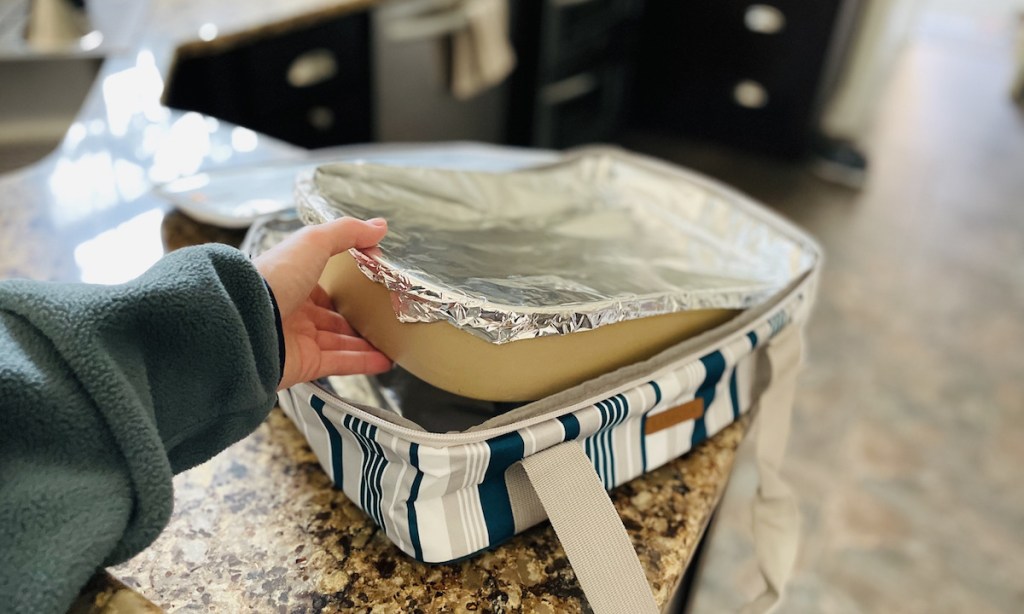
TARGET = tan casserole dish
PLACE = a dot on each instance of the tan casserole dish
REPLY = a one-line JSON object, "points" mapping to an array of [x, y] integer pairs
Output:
{"points": [[524, 370]]}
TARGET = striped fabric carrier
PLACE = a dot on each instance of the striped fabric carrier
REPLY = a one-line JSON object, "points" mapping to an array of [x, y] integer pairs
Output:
{"points": [[444, 497]]}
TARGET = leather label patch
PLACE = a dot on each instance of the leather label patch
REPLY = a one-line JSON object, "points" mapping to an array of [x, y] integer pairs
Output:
{"points": [[660, 421]]}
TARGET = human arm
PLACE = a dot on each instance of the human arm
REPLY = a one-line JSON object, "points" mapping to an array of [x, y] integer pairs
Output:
{"points": [[107, 391]]}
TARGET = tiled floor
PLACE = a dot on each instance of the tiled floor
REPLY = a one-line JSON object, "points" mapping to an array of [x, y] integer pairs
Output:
{"points": [[908, 442]]}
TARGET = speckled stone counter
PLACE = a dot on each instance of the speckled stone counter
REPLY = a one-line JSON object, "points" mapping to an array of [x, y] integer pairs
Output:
{"points": [[259, 528]]}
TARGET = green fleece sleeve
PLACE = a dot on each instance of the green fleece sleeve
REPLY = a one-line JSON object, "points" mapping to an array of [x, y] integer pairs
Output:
{"points": [[105, 393]]}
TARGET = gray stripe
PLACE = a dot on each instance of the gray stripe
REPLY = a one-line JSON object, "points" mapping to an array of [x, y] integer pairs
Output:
{"points": [[452, 511]]}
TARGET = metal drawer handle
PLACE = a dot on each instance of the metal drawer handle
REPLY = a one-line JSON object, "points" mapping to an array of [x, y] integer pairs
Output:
{"points": [[764, 19], [568, 89], [312, 67], [750, 94]]}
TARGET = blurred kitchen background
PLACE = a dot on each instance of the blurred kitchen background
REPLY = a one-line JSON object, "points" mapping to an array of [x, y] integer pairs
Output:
{"points": [[891, 129]]}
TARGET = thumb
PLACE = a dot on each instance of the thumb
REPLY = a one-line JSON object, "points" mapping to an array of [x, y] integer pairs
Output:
{"points": [[293, 267], [345, 233]]}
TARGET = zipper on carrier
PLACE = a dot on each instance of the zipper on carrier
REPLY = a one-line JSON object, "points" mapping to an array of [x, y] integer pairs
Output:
{"points": [[483, 435]]}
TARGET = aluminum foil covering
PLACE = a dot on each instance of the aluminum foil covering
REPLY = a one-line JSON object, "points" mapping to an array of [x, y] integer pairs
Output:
{"points": [[269, 230], [599, 237]]}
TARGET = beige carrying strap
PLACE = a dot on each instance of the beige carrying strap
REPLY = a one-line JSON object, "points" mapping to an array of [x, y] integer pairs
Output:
{"points": [[776, 516], [589, 529], [561, 483]]}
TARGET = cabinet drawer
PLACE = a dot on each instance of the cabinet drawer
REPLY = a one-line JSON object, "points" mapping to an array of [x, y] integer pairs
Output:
{"points": [[309, 86], [583, 108], [707, 69], [575, 32]]}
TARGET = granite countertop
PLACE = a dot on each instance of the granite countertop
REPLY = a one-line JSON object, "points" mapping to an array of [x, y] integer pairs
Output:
{"points": [[259, 527]]}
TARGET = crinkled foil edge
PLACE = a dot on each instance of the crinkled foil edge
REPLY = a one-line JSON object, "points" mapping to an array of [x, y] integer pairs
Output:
{"points": [[415, 300]]}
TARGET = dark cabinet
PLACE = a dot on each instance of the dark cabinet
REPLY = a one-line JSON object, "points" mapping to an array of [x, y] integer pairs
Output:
{"points": [[752, 74], [575, 62], [308, 84], [745, 73]]}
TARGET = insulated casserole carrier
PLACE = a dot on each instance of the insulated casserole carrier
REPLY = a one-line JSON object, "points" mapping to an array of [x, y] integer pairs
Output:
{"points": [[631, 309]]}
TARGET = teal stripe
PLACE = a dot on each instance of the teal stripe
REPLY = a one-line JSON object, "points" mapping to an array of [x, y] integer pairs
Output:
{"points": [[414, 493], [367, 468], [621, 411], [643, 427], [605, 443], [334, 438], [625, 408], [376, 484], [734, 396], [372, 469], [497, 508], [591, 444], [714, 368], [607, 459], [600, 446], [657, 392], [588, 446], [352, 425], [594, 443], [571, 426], [643, 444]]}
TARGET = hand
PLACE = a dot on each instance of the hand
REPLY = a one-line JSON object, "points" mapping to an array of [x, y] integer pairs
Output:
{"points": [[317, 339]]}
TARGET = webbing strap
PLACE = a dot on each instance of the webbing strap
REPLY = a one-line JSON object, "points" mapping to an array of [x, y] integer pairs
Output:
{"points": [[589, 529], [775, 513]]}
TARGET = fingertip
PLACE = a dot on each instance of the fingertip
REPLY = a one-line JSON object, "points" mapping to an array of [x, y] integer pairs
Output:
{"points": [[372, 234], [355, 362], [377, 363], [348, 232]]}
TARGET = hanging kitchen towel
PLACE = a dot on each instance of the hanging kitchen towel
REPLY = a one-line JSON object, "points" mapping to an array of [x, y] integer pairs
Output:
{"points": [[55, 25], [474, 35], [481, 53]]}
